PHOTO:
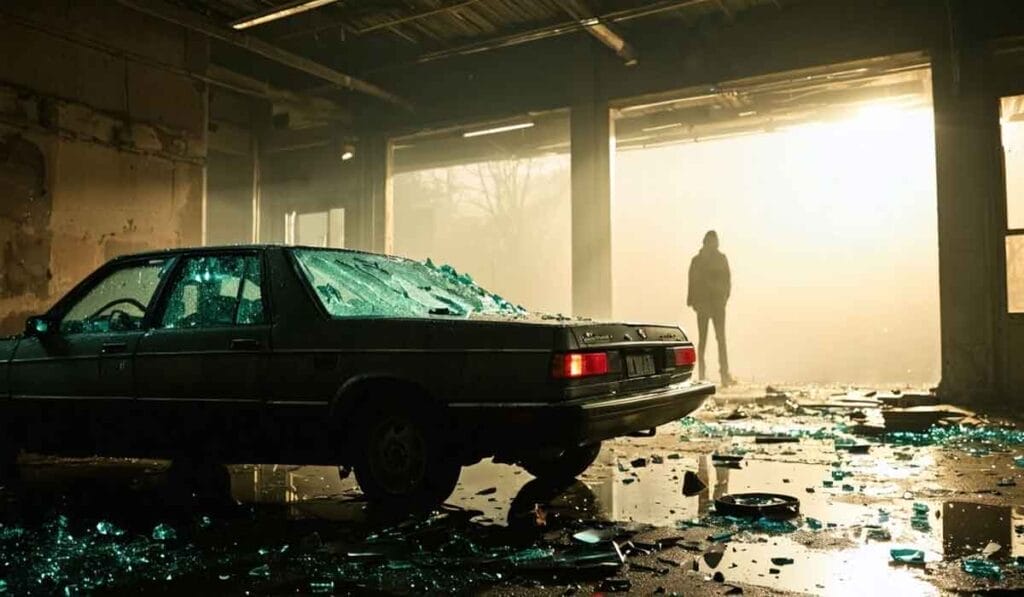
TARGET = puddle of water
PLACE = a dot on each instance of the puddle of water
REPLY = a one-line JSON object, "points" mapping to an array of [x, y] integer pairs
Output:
{"points": [[859, 571]]}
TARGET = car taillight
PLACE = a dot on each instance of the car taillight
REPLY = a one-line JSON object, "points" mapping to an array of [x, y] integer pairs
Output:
{"points": [[574, 365], [683, 356]]}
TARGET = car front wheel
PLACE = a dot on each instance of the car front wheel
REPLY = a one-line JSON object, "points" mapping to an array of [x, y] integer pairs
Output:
{"points": [[562, 466], [400, 457]]}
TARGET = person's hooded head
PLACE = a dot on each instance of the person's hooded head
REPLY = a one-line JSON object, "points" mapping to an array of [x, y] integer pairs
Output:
{"points": [[711, 241]]}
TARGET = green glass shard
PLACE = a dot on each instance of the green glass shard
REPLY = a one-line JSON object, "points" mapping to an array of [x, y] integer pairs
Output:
{"points": [[106, 528], [907, 556], [982, 568], [164, 532]]}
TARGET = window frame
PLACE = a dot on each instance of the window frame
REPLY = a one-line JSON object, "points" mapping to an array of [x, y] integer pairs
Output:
{"points": [[167, 289], [60, 310], [1004, 219]]}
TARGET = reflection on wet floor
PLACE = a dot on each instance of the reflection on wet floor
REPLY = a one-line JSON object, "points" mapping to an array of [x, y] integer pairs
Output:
{"points": [[92, 524]]}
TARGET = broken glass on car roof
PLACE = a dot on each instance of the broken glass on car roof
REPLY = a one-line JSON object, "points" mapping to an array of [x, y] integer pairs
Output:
{"points": [[352, 284]]}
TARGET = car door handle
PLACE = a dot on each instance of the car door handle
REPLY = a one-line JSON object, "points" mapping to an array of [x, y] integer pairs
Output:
{"points": [[245, 344], [113, 347]]}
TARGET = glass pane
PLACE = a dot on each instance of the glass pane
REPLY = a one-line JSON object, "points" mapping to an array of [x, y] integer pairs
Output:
{"points": [[351, 284], [250, 308], [1012, 120], [1015, 273], [210, 292], [117, 303]]}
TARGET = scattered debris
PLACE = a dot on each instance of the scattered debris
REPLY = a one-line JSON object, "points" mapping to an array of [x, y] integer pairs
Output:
{"points": [[906, 556], [776, 439], [919, 520], [727, 459], [614, 585], [909, 400], [757, 505], [692, 484], [982, 568], [593, 536], [106, 528], [164, 532]]}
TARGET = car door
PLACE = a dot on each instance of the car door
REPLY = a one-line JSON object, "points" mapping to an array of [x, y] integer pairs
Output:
{"points": [[200, 369], [72, 383]]}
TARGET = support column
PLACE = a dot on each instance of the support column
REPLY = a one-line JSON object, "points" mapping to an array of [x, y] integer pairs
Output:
{"points": [[592, 152], [376, 215], [970, 207]]}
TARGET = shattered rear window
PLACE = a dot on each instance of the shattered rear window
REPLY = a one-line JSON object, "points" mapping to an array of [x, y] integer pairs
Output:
{"points": [[351, 284]]}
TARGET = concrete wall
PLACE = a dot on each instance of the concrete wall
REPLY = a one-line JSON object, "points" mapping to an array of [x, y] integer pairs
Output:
{"points": [[102, 144]]}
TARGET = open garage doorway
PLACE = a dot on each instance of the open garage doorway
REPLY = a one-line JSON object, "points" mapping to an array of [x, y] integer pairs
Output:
{"points": [[821, 186]]}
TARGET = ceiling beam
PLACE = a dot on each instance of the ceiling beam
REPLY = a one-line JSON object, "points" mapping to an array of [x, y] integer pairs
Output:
{"points": [[195, 22], [600, 30], [382, 25], [546, 32], [314, 107], [277, 13]]}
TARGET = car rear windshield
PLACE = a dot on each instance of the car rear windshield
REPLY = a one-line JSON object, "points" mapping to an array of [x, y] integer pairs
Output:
{"points": [[352, 284]]}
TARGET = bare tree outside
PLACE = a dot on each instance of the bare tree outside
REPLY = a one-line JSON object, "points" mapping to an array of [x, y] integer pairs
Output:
{"points": [[503, 221]]}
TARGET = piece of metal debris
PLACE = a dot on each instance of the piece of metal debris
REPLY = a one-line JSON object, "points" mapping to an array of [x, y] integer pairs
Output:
{"points": [[757, 505]]}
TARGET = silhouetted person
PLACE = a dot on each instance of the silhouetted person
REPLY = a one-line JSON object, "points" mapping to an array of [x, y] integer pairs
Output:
{"points": [[709, 286]]}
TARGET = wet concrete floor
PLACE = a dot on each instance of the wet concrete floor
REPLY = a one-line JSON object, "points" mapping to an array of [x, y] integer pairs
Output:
{"points": [[114, 526]]}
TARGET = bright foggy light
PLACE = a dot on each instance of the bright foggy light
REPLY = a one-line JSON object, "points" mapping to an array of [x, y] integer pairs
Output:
{"points": [[883, 116], [830, 230]]}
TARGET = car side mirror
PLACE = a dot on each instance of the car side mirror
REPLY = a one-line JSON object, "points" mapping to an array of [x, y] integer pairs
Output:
{"points": [[38, 326]]}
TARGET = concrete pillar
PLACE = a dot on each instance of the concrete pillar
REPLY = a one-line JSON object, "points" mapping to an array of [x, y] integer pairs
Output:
{"points": [[970, 207], [592, 152], [375, 217]]}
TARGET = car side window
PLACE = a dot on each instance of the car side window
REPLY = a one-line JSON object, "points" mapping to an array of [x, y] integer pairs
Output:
{"points": [[215, 291], [117, 303]]}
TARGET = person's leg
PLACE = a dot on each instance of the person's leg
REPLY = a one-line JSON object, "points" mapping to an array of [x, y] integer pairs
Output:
{"points": [[702, 338], [718, 319]]}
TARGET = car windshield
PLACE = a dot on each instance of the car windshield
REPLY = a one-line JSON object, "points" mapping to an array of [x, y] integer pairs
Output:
{"points": [[351, 284]]}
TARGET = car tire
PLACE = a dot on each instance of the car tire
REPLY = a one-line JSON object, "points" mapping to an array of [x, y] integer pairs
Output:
{"points": [[400, 455], [564, 466]]}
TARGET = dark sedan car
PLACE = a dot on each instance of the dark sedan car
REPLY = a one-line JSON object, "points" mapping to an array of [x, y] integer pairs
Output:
{"points": [[401, 370]]}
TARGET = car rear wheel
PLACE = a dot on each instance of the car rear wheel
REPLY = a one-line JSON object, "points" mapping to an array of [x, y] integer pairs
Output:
{"points": [[568, 464], [400, 455]]}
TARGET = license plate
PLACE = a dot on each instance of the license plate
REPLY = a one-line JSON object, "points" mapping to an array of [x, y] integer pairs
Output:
{"points": [[639, 365]]}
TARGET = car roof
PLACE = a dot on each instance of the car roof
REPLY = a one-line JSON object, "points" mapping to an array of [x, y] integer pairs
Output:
{"points": [[162, 253]]}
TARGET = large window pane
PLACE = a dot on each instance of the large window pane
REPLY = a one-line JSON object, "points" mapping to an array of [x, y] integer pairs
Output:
{"points": [[1015, 273], [1012, 119]]}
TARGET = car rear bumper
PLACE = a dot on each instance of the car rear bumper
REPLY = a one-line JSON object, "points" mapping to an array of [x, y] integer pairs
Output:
{"points": [[502, 427]]}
